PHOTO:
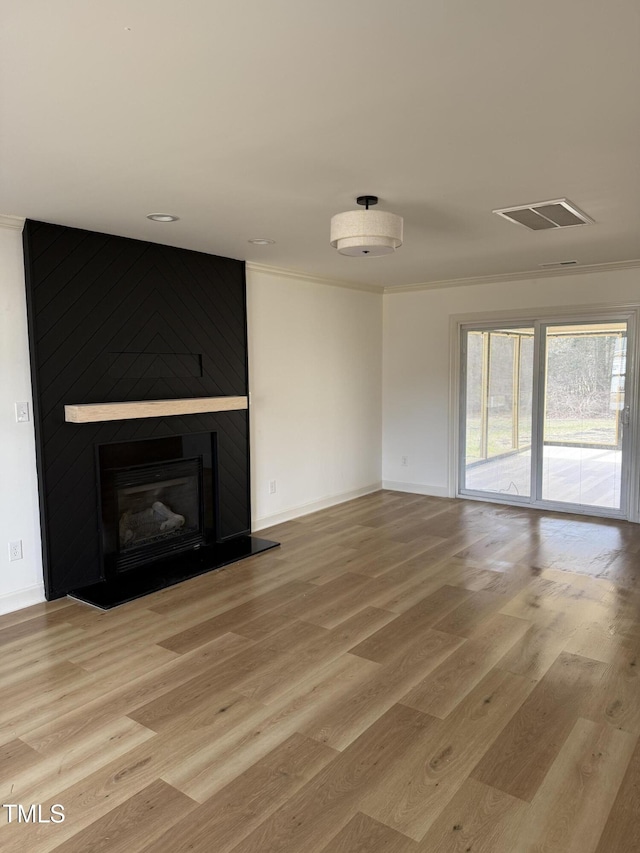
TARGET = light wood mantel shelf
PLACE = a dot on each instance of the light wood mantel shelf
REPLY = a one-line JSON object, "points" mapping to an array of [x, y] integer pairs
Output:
{"points": [[92, 413]]}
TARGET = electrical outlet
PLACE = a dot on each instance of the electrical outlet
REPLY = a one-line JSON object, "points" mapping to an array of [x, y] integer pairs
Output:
{"points": [[272, 487], [404, 461], [22, 412], [15, 550]]}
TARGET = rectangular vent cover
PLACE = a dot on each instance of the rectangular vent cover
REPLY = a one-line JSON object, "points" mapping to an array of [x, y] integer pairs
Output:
{"points": [[559, 213]]}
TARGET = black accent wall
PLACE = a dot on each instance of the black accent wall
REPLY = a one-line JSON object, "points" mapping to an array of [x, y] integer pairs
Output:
{"points": [[112, 320]]}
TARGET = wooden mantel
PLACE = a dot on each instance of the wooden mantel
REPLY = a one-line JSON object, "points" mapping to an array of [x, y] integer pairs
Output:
{"points": [[92, 413]]}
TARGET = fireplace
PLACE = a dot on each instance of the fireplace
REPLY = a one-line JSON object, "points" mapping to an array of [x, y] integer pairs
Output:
{"points": [[157, 499], [160, 516], [156, 512], [140, 377]]}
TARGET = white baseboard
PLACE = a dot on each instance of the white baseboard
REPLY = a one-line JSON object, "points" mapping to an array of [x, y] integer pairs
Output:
{"points": [[416, 488], [313, 506], [11, 601]]}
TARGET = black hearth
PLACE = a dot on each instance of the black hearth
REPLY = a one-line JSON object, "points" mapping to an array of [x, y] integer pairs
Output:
{"points": [[160, 574]]}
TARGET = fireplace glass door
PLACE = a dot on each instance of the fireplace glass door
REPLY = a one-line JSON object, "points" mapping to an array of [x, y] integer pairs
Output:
{"points": [[159, 509]]}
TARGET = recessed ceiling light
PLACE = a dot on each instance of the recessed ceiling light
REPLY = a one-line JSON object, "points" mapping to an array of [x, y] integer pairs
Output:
{"points": [[261, 241], [162, 217]]}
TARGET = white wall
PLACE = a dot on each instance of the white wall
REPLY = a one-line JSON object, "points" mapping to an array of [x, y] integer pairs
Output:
{"points": [[20, 582], [416, 381], [315, 376]]}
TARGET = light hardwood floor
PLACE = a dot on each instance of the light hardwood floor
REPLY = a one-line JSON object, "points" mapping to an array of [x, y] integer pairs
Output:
{"points": [[406, 675]]}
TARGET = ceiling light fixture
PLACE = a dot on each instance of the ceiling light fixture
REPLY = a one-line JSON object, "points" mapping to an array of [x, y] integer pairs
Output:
{"points": [[261, 241], [366, 233], [162, 217]]}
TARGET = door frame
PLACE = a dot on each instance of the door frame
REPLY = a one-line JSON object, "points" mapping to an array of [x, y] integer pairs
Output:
{"points": [[533, 317]]}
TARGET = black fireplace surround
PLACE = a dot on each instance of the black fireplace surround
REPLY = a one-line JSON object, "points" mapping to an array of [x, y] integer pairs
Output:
{"points": [[129, 506]]}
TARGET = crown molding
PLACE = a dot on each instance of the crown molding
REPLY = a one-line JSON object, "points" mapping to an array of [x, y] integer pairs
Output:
{"points": [[613, 266], [16, 223], [314, 279]]}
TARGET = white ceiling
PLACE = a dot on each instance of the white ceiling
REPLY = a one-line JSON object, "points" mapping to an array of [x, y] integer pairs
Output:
{"points": [[262, 119]]}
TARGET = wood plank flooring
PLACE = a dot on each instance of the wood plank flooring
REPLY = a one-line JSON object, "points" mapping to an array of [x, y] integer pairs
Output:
{"points": [[405, 674]]}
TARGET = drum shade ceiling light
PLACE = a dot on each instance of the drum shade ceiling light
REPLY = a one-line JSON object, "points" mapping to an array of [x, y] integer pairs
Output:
{"points": [[367, 233]]}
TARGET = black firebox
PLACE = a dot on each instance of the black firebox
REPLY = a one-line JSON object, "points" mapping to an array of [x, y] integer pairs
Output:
{"points": [[157, 499], [158, 511]]}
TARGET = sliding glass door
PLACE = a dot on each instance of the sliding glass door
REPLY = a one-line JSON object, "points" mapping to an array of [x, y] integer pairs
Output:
{"points": [[499, 383], [543, 414], [584, 411]]}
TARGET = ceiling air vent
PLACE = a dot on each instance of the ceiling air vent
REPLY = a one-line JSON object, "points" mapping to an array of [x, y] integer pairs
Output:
{"points": [[559, 213]]}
